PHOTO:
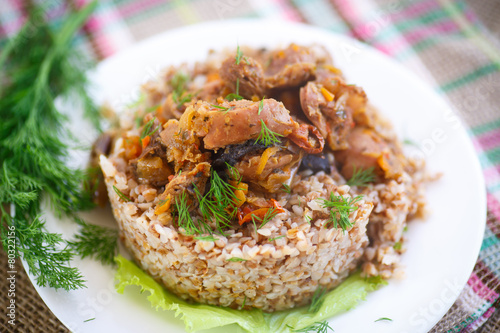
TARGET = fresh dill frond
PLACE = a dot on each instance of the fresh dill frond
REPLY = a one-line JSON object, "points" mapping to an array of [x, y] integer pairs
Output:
{"points": [[286, 188], [244, 301], [96, 241], [275, 238], [234, 173], [235, 95], [261, 106], [179, 82], [361, 177], [341, 207], [236, 259], [266, 136], [45, 258], [88, 320], [35, 72], [223, 108], [120, 194], [383, 319], [317, 327], [317, 299], [270, 214], [147, 130], [239, 54], [410, 142], [397, 246], [184, 219], [219, 203], [206, 238]]}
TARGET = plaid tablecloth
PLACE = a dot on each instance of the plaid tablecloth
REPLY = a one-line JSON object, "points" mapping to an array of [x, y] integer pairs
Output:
{"points": [[453, 45]]}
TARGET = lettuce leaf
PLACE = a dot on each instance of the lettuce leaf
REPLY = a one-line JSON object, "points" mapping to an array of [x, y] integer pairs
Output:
{"points": [[199, 316]]}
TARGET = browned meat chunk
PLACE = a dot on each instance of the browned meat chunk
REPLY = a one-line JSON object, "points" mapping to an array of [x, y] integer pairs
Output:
{"points": [[238, 122], [330, 108], [293, 66], [152, 170], [307, 137], [270, 169], [366, 150], [183, 148], [185, 182], [248, 73]]}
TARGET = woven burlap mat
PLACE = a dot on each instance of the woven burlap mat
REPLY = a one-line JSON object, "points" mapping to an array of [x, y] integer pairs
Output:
{"points": [[32, 315]]}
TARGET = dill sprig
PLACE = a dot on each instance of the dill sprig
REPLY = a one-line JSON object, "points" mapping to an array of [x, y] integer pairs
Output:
{"points": [[235, 95], [239, 54], [120, 194], [361, 177], [275, 238], [266, 136], [184, 219], [383, 319], [317, 299], [147, 130], [318, 327], [341, 207], [96, 241], [261, 106], [236, 259], [36, 69], [286, 188], [219, 203], [223, 108]]}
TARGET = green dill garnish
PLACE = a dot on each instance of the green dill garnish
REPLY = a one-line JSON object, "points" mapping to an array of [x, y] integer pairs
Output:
{"points": [[96, 241], [235, 95], [88, 320], [179, 82], [275, 238], [219, 203], [239, 54], [162, 202], [361, 177], [308, 219], [183, 99], [184, 219], [383, 319], [317, 299], [405, 229], [261, 106], [147, 131], [317, 327], [120, 194], [234, 173], [223, 108], [271, 212], [341, 207], [244, 301], [410, 142], [236, 259], [397, 246], [206, 238], [266, 136], [39, 65], [286, 188]]}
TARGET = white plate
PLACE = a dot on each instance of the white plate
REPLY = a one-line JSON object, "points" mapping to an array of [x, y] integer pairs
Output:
{"points": [[442, 249]]}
